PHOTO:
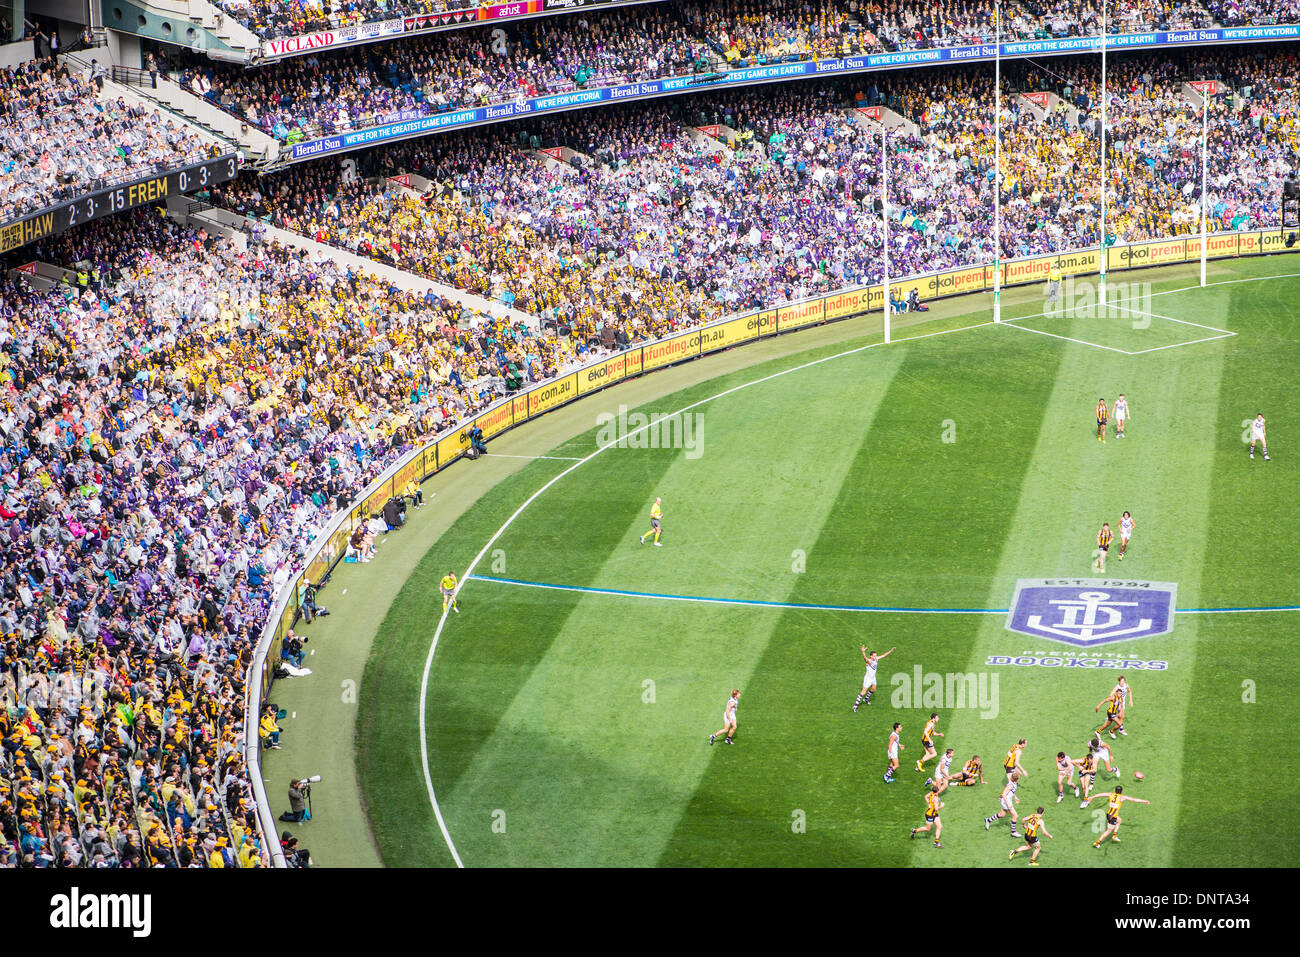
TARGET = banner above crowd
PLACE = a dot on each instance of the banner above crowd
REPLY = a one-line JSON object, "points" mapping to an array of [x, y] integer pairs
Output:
{"points": [[407, 128], [422, 23]]}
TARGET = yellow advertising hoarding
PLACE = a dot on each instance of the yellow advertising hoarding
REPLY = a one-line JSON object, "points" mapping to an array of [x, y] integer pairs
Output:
{"points": [[957, 281], [849, 303], [1274, 241], [552, 394], [496, 420], [764, 321], [800, 314], [1217, 247], [1136, 255], [599, 376], [454, 444], [667, 351], [728, 334]]}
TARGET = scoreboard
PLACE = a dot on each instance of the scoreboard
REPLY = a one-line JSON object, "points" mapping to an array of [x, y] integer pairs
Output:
{"points": [[104, 202]]}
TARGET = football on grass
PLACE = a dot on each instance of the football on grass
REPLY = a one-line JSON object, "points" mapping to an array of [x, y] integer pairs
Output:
{"points": [[1138, 775]]}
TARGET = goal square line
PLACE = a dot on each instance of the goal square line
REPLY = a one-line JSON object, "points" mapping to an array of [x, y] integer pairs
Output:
{"points": [[1185, 322], [1053, 335], [1222, 333]]}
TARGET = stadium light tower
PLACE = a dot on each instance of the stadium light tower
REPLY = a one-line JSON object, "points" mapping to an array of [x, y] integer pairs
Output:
{"points": [[997, 161], [1205, 163], [884, 212]]}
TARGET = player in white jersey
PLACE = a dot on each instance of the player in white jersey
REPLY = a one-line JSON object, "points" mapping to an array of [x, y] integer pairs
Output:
{"points": [[1257, 435], [1007, 804], [1121, 413], [869, 679], [1103, 754], [728, 718], [895, 745], [943, 772], [1125, 700], [1126, 526], [1064, 775]]}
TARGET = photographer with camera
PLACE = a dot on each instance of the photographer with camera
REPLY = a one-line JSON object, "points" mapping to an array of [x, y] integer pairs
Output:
{"points": [[300, 800], [292, 650], [307, 599], [477, 445], [298, 791]]}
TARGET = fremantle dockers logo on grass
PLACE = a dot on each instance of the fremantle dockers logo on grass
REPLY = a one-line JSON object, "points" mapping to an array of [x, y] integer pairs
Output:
{"points": [[1091, 611]]}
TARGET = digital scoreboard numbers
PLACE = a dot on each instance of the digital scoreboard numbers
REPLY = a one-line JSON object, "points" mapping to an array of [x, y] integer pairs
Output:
{"points": [[106, 202]]}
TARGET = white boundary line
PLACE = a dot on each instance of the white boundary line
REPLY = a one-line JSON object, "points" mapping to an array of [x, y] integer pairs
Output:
{"points": [[433, 646]]}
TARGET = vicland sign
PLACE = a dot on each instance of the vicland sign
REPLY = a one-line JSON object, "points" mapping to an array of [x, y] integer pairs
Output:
{"points": [[308, 41]]}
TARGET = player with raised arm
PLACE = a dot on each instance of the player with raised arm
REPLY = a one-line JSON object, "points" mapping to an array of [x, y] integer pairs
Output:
{"points": [[932, 808], [1121, 414], [1104, 538], [1116, 799], [1064, 776], [656, 516], [1007, 802], [894, 745], [869, 679], [1114, 704], [1033, 824], [728, 718], [1011, 763], [1257, 435], [1126, 527], [927, 741], [1103, 415], [448, 588]]}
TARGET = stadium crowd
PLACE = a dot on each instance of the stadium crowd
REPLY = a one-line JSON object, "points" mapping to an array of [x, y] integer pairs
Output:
{"points": [[269, 19], [184, 417], [1238, 13], [364, 86], [781, 27], [60, 137], [331, 91], [686, 228]]}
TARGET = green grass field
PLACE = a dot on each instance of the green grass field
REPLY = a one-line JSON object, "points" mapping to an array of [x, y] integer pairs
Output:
{"points": [[570, 727]]}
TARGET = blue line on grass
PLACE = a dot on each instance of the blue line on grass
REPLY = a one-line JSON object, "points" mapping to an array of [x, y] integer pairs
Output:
{"points": [[808, 607], [740, 601]]}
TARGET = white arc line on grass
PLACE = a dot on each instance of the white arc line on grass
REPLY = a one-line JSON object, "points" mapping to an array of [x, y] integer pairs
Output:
{"points": [[437, 634]]}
